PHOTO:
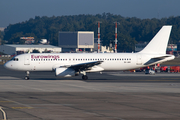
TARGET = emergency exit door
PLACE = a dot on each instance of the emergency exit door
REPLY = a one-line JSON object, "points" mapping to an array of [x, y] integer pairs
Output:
{"points": [[139, 60], [27, 59]]}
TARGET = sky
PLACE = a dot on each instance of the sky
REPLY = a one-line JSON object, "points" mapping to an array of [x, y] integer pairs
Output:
{"points": [[15, 11]]}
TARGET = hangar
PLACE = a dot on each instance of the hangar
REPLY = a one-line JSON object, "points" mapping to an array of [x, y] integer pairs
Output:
{"points": [[14, 49]]}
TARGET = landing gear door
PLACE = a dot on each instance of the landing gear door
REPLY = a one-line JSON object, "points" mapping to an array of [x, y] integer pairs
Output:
{"points": [[139, 60], [27, 59]]}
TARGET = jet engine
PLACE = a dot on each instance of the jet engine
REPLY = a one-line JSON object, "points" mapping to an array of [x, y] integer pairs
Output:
{"points": [[64, 72]]}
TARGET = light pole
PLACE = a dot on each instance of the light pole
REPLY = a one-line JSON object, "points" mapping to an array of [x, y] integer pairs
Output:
{"points": [[115, 47], [99, 36]]}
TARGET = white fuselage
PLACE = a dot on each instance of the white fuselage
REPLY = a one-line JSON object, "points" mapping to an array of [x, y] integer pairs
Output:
{"points": [[111, 61]]}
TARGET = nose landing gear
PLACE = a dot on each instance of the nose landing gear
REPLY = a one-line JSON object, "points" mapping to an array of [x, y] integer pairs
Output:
{"points": [[27, 75]]}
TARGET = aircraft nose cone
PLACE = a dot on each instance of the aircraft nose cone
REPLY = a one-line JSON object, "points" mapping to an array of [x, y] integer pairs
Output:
{"points": [[7, 65]]}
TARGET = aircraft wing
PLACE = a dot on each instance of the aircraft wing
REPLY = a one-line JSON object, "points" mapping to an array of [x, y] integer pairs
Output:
{"points": [[83, 66]]}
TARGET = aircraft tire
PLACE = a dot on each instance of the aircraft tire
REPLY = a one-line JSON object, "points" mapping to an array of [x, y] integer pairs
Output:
{"points": [[84, 77], [26, 77]]}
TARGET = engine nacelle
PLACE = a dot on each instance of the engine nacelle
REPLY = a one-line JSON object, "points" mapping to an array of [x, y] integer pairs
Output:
{"points": [[64, 72]]}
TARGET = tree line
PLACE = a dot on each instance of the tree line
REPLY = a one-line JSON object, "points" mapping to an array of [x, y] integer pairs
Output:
{"points": [[130, 31]]}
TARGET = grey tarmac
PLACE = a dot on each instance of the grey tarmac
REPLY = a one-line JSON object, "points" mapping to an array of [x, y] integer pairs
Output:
{"points": [[107, 96]]}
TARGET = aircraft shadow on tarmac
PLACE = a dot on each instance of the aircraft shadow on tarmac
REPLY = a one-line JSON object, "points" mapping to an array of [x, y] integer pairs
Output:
{"points": [[96, 77]]}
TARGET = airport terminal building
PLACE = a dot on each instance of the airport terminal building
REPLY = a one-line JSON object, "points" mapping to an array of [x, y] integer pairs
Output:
{"points": [[15, 49]]}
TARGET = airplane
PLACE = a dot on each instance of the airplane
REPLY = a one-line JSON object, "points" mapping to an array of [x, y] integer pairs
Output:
{"points": [[73, 64]]}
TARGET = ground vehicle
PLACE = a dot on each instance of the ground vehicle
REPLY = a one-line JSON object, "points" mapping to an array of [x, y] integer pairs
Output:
{"points": [[149, 71], [164, 69], [144, 69], [175, 69]]}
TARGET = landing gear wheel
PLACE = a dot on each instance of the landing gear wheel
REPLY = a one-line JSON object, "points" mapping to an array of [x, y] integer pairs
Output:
{"points": [[26, 77], [84, 77]]}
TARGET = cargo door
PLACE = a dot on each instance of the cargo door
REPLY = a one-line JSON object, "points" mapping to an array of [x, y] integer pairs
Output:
{"points": [[27, 59], [139, 60]]}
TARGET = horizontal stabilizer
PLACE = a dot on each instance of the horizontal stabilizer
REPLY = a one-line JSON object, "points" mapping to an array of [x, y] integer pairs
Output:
{"points": [[156, 59]]}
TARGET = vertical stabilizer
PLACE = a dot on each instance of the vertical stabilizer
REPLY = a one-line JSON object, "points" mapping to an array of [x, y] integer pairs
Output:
{"points": [[159, 43]]}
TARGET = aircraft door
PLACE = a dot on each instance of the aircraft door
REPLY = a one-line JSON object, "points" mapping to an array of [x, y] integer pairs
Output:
{"points": [[27, 59], [139, 60]]}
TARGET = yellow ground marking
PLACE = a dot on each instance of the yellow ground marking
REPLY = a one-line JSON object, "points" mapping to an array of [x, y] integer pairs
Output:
{"points": [[21, 107]]}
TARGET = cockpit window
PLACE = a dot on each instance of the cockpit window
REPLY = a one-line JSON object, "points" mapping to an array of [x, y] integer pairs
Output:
{"points": [[14, 59]]}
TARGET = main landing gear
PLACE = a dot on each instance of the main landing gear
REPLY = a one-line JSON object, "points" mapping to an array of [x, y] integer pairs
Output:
{"points": [[84, 77], [27, 75]]}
